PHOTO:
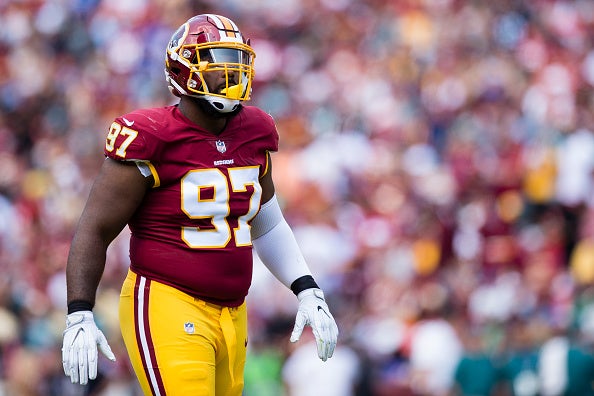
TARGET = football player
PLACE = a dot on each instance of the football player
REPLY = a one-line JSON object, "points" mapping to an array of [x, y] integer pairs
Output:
{"points": [[193, 182]]}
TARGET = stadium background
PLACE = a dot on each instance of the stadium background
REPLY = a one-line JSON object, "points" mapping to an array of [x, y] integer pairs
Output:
{"points": [[436, 165]]}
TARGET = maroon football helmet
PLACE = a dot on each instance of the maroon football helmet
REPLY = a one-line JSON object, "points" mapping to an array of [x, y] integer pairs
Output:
{"points": [[210, 43]]}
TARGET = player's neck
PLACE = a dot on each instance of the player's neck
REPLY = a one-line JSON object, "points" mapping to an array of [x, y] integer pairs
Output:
{"points": [[195, 113]]}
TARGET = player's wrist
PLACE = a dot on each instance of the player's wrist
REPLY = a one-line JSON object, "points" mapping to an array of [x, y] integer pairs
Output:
{"points": [[313, 292], [303, 283], [79, 305]]}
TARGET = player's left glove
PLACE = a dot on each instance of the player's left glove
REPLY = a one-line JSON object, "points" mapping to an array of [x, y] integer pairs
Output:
{"points": [[314, 311], [79, 351]]}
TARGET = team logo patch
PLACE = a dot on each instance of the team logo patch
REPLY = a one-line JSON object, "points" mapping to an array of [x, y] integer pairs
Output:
{"points": [[221, 148], [189, 327]]}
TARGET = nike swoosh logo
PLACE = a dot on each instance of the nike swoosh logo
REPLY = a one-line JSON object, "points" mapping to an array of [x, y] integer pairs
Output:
{"points": [[127, 122], [322, 309], [81, 330]]}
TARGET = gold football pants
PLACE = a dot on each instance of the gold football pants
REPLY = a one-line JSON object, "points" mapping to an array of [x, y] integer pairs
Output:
{"points": [[180, 345]]}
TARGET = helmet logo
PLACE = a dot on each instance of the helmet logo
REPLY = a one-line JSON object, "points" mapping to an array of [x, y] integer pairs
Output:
{"points": [[186, 53], [221, 148], [178, 37]]}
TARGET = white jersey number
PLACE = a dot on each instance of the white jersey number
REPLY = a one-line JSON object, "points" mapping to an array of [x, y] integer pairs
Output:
{"points": [[216, 207]]}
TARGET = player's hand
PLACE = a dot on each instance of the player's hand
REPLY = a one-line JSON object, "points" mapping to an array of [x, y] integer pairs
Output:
{"points": [[314, 311], [79, 350]]}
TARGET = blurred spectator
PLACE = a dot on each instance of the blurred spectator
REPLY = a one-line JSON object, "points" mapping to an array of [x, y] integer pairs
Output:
{"points": [[338, 376], [476, 372], [520, 370], [566, 367], [434, 347]]}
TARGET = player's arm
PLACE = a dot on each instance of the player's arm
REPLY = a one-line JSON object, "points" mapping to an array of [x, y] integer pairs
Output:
{"points": [[116, 193], [276, 246]]}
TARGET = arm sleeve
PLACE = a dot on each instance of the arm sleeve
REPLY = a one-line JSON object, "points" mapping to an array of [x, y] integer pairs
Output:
{"points": [[276, 245]]}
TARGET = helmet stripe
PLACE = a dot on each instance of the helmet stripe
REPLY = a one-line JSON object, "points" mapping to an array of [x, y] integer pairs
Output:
{"points": [[217, 21], [226, 26]]}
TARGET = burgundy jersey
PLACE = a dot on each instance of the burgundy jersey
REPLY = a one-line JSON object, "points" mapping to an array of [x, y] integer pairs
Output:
{"points": [[192, 229]]}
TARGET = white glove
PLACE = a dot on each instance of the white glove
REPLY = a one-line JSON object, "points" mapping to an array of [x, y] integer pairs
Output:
{"points": [[314, 311], [79, 350]]}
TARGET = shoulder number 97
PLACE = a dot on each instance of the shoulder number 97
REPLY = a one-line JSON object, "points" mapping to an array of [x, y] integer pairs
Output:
{"points": [[116, 130]]}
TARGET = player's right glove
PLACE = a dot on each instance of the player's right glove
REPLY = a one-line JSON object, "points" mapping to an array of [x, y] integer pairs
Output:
{"points": [[314, 311], [79, 350]]}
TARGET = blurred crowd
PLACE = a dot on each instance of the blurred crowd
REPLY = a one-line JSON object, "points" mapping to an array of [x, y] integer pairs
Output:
{"points": [[436, 165]]}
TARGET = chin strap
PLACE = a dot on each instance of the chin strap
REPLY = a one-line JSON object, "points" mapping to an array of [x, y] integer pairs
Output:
{"points": [[209, 109], [222, 105]]}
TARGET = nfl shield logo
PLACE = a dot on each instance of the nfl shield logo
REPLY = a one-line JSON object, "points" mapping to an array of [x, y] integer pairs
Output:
{"points": [[221, 146], [189, 327]]}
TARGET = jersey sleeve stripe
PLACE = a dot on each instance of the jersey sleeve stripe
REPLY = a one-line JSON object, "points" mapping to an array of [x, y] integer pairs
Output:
{"points": [[155, 174], [267, 166]]}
